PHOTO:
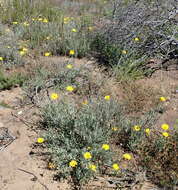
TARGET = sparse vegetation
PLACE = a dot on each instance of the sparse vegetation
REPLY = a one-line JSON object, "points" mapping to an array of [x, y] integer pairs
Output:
{"points": [[92, 126]]}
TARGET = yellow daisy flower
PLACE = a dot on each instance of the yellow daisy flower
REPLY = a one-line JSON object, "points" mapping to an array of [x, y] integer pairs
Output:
{"points": [[40, 19], [73, 163], [165, 134], [15, 22], [70, 88], [40, 140], [90, 28], [24, 49], [69, 66], [26, 24], [74, 30], [92, 167], [1, 58], [147, 131], [47, 54], [48, 37], [54, 96], [115, 167], [127, 156], [87, 155], [22, 53], [162, 99], [71, 52], [165, 126], [107, 97], [114, 128], [136, 128], [136, 39], [45, 20], [105, 147], [124, 52]]}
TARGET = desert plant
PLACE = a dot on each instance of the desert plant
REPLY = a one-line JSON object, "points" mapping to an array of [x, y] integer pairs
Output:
{"points": [[78, 137], [137, 30]]}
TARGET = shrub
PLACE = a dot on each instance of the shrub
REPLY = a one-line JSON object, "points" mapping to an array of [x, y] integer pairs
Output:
{"points": [[72, 131], [9, 47], [137, 29]]}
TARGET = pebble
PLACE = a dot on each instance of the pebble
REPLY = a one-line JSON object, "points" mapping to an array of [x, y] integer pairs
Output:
{"points": [[1, 125]]}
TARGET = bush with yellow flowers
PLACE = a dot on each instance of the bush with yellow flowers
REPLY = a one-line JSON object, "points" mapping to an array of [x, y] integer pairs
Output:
{"points": [[10, 50], [78, 138]]}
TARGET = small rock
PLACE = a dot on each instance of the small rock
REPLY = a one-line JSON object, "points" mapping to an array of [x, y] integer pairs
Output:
{"points": [[1, 125]]}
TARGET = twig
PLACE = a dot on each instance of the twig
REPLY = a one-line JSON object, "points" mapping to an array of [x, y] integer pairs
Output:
{"points": [[28, 124], [35, 177]]}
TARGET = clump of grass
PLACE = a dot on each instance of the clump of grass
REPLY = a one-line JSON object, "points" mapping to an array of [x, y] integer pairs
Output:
{"points": [[7, 83]]}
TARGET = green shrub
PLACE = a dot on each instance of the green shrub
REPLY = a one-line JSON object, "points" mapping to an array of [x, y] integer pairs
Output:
{"points": [[72, 131]]}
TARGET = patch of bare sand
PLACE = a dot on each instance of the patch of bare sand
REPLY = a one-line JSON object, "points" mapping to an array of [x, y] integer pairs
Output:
{"points": [[16, 155]]}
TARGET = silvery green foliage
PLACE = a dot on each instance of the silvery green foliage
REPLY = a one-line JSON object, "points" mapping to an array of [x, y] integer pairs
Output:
{"points": [[71, 130], [9, 46]]}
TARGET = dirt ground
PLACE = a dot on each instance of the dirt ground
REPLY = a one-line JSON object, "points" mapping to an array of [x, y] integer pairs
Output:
{"points": [[18, 167]]}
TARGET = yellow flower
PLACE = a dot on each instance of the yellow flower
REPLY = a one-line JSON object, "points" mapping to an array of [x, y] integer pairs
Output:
{"points": [[115, 167], [147, 131], [8, 47], [107, 97], [88, 148], [51, 165], [124, 52], [87, 155], [24, 49], [70, 88], [165, 126], [136, 128], [85, 102], [15, 22], [127, 156], [71, 52], [92, 167], [165, 134], [162, 99], [26, 24], [136, 39], [1, 58], [105, 147], [40, 140], [22, 52], [33, 19], [47, 54], [74, 30], [45, 20], [48, 37], [90, 28], [54, 96], [73, 163], [40, 19], [69, 66], [114, 128]]}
